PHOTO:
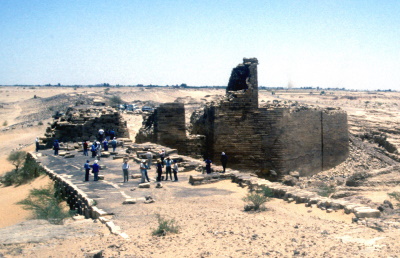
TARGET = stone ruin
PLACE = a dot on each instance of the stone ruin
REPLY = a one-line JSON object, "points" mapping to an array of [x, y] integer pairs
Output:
{"points": [[282, 138], [83, 123]]}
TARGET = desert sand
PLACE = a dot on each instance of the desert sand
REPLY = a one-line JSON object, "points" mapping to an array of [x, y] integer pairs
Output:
{"points": [[211, 217]]}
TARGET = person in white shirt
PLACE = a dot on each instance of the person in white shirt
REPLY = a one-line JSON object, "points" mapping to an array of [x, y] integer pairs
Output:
{"points": [[175, 170], [143, 170], [149, 156], [125, 169]]}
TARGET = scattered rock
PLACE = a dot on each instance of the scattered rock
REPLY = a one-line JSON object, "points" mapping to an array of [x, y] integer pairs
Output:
{"points": [[149, 199], [144, 185], [95, 254], [129, 201], [289, 180]]}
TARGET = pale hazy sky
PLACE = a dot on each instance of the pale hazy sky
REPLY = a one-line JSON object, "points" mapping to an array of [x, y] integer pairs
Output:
{"points": [[351, 44]]}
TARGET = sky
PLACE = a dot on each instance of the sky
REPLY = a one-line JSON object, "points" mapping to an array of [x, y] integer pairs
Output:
{"points": [[321, 43]]}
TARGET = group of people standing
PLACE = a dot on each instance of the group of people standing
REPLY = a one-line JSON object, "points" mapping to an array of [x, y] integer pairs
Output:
{"points": [[171, 166], [97, 147], [224, 162], [95, 170], [108, 134]]}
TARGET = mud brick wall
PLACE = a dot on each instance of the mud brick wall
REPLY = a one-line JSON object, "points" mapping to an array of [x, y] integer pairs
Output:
{"points": [[308, 141], [335, 138], [169, 125], [300, 138]]}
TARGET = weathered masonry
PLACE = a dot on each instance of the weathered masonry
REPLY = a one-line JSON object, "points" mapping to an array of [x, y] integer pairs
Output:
{"points": [[273, 137], [83, 122]]}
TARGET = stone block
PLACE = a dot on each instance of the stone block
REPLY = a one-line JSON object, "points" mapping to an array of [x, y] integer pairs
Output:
{"points": [[103, 220], [136, 176], [129, 201], [368, 213], [349, 208], [62, 153], [144, 185], [78, 217], [94, 254], [105, 154], [113, 228], [68, 156]]}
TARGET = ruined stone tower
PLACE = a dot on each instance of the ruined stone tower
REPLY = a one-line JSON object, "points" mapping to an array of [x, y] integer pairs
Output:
{"points": [[275, 137]]}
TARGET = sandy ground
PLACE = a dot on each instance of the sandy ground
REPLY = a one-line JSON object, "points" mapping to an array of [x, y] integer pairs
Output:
{"points": [[212, 220]]}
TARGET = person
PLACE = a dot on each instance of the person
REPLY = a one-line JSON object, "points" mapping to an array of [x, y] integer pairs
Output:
{"points": [[93, 150], [149, 156], [175, 170], [224, 161], [101, 135], [107, 135], [168, 163], [87, 170], [125, 169], [208, 165], [159, 170], [114, 144], [143, 170], [56, 147], [95, 170], [162, 155], [37, 144], [85, 148], [112, 134], [98, 150], [105, 145]]}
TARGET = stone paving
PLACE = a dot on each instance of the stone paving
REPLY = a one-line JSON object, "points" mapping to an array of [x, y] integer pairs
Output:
{"points": [[112, 196]]}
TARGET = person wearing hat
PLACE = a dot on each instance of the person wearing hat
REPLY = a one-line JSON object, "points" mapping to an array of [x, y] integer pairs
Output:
{"points": [[224, 161], [143, 170], [168, 163], [87, 170], [98, 150], [175, 169], [162, 155], [95, 169], [101, 135]]}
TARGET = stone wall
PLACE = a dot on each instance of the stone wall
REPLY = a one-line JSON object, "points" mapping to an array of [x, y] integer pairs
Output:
{"points": [[169, 126], [83, 123], [277, 137]]}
